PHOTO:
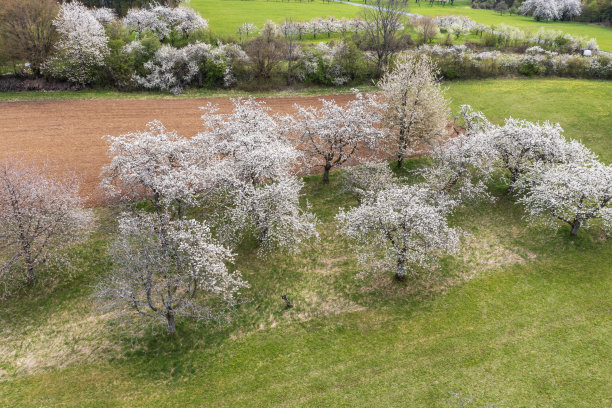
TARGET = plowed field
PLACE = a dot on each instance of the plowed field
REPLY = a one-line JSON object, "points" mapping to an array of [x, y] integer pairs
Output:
{"points": [[68, 134]]}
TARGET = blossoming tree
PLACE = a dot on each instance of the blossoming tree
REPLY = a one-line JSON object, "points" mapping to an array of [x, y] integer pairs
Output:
{"points": [[415, 108], [332, 133], [402, 227]]}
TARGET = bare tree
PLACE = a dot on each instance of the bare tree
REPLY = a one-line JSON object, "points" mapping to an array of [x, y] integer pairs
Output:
{"points": [[290, 31], [266, 51], [426, 27], [39, 216], [383, 20], [27, 31]]}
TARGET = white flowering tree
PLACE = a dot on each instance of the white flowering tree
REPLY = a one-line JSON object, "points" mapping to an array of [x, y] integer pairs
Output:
{"points": [[141, 20], [551, 9], [173, 69], [473, 122], [332, 134], [403, 228], [461, 166], [315, 26], [258, 165], [368, 178], [521, 144], [39, 217], [330, 25], [157, 164], [573, 193], [246, 29], [164, 268], [250, 140], [326, 62], [104, 15], [272, 212], [165, 22], [415, 108], [82, 46]]}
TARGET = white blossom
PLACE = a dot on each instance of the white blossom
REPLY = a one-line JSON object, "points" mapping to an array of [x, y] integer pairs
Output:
{"points": [[158, 164], [415, 108], [572, 192], [173, 69], [473, 122], [272, 212], [250, 140], [462, 165], [164, 268], [247, 28], [551, 9], [82, 46], [520, 144], [165, 21], [104, 15], [403, 228], [368, 178], [332, 134], [39, 216], [257, 165]]}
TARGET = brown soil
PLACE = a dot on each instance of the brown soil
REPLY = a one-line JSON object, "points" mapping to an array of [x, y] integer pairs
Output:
{"points": [[68, 134]]}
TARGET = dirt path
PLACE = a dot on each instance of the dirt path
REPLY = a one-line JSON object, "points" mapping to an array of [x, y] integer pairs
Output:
{"points": [[68, 134]]}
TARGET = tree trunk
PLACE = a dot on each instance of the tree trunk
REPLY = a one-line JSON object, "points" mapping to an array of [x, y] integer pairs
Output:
{"points": [[171, 326], [401, 148], [575, 227], [30, 274], [401, 271], [513, 179], [326, 173], [400, 161]]}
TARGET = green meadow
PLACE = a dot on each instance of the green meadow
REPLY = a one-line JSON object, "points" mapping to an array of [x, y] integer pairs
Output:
{"points": [[521, 318], [225, 16]]}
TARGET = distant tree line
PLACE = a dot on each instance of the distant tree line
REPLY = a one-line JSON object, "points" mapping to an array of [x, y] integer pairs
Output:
{"points": [[592, 11], [122, 6]]}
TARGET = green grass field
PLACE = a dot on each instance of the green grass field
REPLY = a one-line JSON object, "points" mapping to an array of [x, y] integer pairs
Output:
{"points": [[520, 319], [491, 17], [225, 16]]}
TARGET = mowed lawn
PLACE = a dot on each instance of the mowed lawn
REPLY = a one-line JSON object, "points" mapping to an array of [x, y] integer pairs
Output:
{"points": [[520, 319]]}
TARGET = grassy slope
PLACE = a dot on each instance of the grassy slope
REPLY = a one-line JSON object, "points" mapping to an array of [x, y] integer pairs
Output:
{"points": [[534, 332]]}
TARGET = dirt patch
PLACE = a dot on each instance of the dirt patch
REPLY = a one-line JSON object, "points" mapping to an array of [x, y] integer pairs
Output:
{"points": [[68, 134]]}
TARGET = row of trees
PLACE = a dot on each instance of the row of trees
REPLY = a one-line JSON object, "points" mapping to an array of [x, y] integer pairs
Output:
{"points": [[551, 9], [319, 25], [81, 45], [191, 201], [405, 227]]}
